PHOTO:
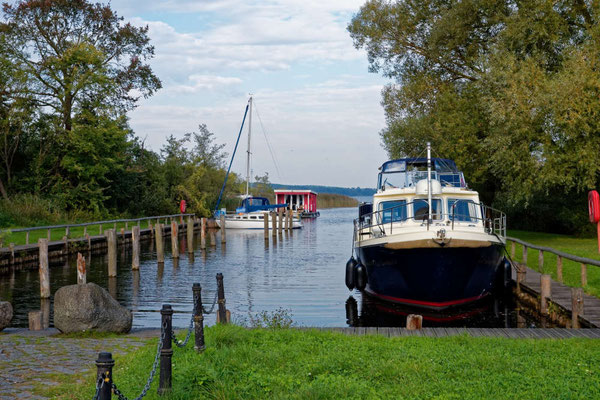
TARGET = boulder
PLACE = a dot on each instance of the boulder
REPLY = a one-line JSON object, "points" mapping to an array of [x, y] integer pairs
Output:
{"points": [[79, 308], [6, 314]]}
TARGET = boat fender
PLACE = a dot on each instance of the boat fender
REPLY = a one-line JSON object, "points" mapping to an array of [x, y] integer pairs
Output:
{"points": [[360, 277], [507, 272], [350, 273]]}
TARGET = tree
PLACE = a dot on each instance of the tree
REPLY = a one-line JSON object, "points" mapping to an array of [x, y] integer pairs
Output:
{"points": [[77, 55]]}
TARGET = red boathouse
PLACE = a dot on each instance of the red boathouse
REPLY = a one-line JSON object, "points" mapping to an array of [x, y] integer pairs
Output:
{"points": [[297, 199]]}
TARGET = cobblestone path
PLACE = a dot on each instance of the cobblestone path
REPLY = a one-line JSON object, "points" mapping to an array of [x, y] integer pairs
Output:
{"points": [[30, 359]]}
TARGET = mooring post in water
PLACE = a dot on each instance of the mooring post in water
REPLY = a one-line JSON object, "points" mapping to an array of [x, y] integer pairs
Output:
{"points": [[81, 274], [166, 353], [583, 275], [266, 225], [111, 238], [223, 234], [280, 212], [199, 345], [221, 299], [545, 292], [274, 227], [576, 306], [174, 239], [104, 366], [35, 320], [135, 249], [203, 233], [44, 270], [521, 271], [213, 238], [160, 249], [190, 234], [414, 322]]}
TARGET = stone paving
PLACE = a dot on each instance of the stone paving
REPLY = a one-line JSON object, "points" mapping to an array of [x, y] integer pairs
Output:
{"points": [[30, 359]]}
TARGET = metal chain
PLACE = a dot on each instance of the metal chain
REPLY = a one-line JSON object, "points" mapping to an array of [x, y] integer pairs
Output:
{"points": [[178, 342], [213, 305], [99, 386]]}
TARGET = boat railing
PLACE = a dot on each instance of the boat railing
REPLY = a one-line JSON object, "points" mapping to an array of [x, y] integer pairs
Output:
{"points": [[492, 220]]}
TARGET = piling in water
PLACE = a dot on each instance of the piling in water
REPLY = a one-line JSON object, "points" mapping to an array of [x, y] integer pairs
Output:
{"points": [[35, 320], [280, 211], [81, 273], [203, 233], [274, 227], [44, 270], [111, 238], [135, 247], [190, 235], [160, 249], [174, 239]]}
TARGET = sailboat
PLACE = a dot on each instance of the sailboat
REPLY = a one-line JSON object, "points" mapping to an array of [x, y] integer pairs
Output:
{"points": [[251, 213]]}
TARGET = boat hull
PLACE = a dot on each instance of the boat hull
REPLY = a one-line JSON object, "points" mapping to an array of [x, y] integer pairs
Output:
{"points": [[231, 222], [431, 277]]}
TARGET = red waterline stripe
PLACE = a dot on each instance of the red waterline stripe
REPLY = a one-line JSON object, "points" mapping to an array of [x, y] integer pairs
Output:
{"points": [[427, 303]]}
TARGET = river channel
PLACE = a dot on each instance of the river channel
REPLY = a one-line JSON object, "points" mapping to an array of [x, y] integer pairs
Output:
{"points": [[301, 273]]}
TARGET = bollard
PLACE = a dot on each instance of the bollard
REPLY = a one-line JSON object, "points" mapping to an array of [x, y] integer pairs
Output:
{"points": [[414, 322], [111, 238], [174, 239], [81, 275], [160, 250], [266, 225], [274, 227], [199, 345], [135, 247], [576, 306], [203, 233], [44, 270], [559, 269], [545, 292], [166, 353], [190, 235], [223, 234], [221, 299], [280, 212], [104, 365]]}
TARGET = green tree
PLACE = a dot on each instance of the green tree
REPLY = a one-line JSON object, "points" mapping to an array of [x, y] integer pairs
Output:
{"points": [[75, 55]]}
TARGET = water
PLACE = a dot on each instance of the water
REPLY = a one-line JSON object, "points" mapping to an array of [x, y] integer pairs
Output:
{"points": [[302, 273]]}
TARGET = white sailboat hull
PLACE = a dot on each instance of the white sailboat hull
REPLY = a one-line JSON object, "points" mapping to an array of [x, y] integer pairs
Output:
{"points": [[252, 221]]}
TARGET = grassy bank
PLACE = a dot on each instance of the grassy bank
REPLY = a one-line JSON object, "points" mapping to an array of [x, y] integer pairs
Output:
{"points": [[571, 270], [332, 200], [292, 364]]}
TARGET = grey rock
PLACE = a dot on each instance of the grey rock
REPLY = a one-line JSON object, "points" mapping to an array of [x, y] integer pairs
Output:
{"points": [[79, 308], [6, 314]]}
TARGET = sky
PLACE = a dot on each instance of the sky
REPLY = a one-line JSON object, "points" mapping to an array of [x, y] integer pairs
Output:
{"points": [[319, 106]]}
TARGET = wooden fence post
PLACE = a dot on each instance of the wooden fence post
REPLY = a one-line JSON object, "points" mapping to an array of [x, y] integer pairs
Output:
{"points": [[81, 274], [190, 235], [576, 306], [521, 272], [524, 254], [135, 250], [27, 237], [559, 268], [111, 238], [545, 292], [44, 269], [512, 250], [541, 261], [583, 275], [160, 250], [174, 239]]}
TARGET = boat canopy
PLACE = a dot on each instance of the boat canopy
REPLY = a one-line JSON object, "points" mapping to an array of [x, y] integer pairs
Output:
{"points": [[406, 172], [253, 204]]}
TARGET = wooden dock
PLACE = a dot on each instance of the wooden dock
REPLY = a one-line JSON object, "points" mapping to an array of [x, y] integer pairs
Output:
{"points": [[513, 333]]}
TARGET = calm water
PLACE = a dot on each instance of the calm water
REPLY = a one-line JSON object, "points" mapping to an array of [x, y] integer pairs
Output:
{"points": [[302, 273]]}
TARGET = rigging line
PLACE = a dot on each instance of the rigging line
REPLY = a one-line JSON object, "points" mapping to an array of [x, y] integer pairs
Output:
{"points": [[273, 157]]}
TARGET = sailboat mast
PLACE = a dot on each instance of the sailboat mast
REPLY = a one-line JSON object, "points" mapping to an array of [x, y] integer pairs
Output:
{"points": [[248, 158], [429, 180]]}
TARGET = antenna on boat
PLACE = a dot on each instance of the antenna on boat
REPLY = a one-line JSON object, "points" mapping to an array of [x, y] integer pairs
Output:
{"points": [[249, 134], [429, 180]]}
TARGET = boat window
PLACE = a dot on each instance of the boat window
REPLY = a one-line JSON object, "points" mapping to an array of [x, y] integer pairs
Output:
{"points": [[393, 211], [462, 210], [421, 209], [253, 217]]}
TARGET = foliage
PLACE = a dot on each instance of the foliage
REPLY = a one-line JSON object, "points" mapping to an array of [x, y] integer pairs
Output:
{"points": [[294, 364], [507, 89], [331, 200]]}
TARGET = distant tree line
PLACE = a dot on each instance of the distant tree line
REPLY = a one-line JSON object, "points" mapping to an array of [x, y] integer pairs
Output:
{"points": [[346, 191], [509, 89], [70, 70]]}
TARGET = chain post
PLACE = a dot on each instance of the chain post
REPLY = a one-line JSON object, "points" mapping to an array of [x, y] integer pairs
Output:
{"points": [[166, 353], [198, 318], [104, 364], [221, 299]]}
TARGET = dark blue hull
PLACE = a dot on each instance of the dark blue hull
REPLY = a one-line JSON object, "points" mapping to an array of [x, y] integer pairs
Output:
{"points": [[432, 277]]}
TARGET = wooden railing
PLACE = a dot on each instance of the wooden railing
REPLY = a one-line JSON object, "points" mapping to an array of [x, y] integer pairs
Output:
{"points": [[583, 261]]}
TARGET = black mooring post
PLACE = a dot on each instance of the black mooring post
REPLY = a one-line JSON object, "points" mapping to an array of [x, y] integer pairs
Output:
{"points": [[104, 365], [221, 299], [198, 318], [164, 385]]}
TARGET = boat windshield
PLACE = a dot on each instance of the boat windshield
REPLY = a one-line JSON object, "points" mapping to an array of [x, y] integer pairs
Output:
{"points": [[407, 172]]}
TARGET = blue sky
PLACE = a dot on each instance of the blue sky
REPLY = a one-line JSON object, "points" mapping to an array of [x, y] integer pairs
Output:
{"points": [[319, 105]]}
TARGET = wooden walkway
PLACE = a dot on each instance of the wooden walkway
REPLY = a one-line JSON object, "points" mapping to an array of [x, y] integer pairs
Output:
{"points": [[515, 333], [561, 295]]}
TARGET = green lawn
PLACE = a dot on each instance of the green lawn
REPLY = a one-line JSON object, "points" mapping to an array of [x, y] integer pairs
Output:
{"points": [[571, 270], [290, 364]]}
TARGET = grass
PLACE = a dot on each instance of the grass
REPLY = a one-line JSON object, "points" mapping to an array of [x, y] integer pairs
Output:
{"points": [[241, 363], [571, 270], [332, 200]]}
